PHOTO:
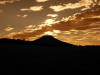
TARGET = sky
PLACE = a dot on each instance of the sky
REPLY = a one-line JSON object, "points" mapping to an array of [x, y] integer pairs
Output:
{"points": [[72, 21]]}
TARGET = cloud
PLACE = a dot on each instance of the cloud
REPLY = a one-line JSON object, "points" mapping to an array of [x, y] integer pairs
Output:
{"points": [[81, 21], [8, 29], [53, 33], [77, 29], [32, 8], [7, 1], [49, 21], [53, 15], [87, 4], [42, 0], [48, 33], [30, 28], [23, 16], [81, 37]]}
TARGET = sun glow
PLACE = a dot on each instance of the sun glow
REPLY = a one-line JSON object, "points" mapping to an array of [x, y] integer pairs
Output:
{"points": [[49, 21]]}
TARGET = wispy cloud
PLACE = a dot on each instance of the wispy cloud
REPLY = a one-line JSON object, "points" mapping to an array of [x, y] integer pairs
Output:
{"points": [[23, 16], [53, 33], [53, 15], [42, 0], [32, 8], [7, 1], [8, 29], [49, 22], [83, 3]]}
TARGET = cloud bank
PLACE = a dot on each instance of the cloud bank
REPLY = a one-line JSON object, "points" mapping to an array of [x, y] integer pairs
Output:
{"points": [[77, 28]]}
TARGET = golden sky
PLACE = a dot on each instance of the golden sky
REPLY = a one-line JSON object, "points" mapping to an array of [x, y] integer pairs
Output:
{"points": [[73, 21]]}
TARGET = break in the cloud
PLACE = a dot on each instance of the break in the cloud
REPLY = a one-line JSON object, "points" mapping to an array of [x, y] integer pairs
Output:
{"points": [[8, 29], [7, 1], [42, 0], [32, 8], [83, 3], [53, 33], [80, 24]]}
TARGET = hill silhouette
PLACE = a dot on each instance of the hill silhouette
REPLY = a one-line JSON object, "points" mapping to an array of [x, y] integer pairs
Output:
{"points": [[43, 41], [47, 54], [50, 41]]}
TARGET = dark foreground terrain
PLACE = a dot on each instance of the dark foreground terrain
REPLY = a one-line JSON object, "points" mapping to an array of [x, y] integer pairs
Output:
{"points": [[48, 54]]}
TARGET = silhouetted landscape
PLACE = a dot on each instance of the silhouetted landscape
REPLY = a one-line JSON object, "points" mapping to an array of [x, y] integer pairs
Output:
{"points": [[47, 54], [52, 36]]}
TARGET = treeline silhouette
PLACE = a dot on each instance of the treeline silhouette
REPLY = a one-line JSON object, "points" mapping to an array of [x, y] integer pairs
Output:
{"points": [[47, 54]]}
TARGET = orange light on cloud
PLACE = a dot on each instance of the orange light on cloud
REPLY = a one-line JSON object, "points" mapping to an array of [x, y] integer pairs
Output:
{"points": [[32, 8], [8, 29], [49, 21], [41, 0], [53, 15]]}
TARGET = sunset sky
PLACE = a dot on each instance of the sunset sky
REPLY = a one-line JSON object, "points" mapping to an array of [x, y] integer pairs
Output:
{"points": [[72, 21]]}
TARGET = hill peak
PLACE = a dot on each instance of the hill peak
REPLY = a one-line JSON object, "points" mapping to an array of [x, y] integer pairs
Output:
{"points": [[50, 41], [42, 41]]}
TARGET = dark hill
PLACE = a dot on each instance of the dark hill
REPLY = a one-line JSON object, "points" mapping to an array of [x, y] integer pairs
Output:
{"points": [[43, 41], [47, 54], [50, 41]]}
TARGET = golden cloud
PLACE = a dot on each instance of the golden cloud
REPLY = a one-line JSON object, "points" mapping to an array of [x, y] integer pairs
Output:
{"points": [[23, 16], [32, 8], [7, 1], [83, 3], [77, 29], [53, 15], [8, 29], [42, 0]]}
